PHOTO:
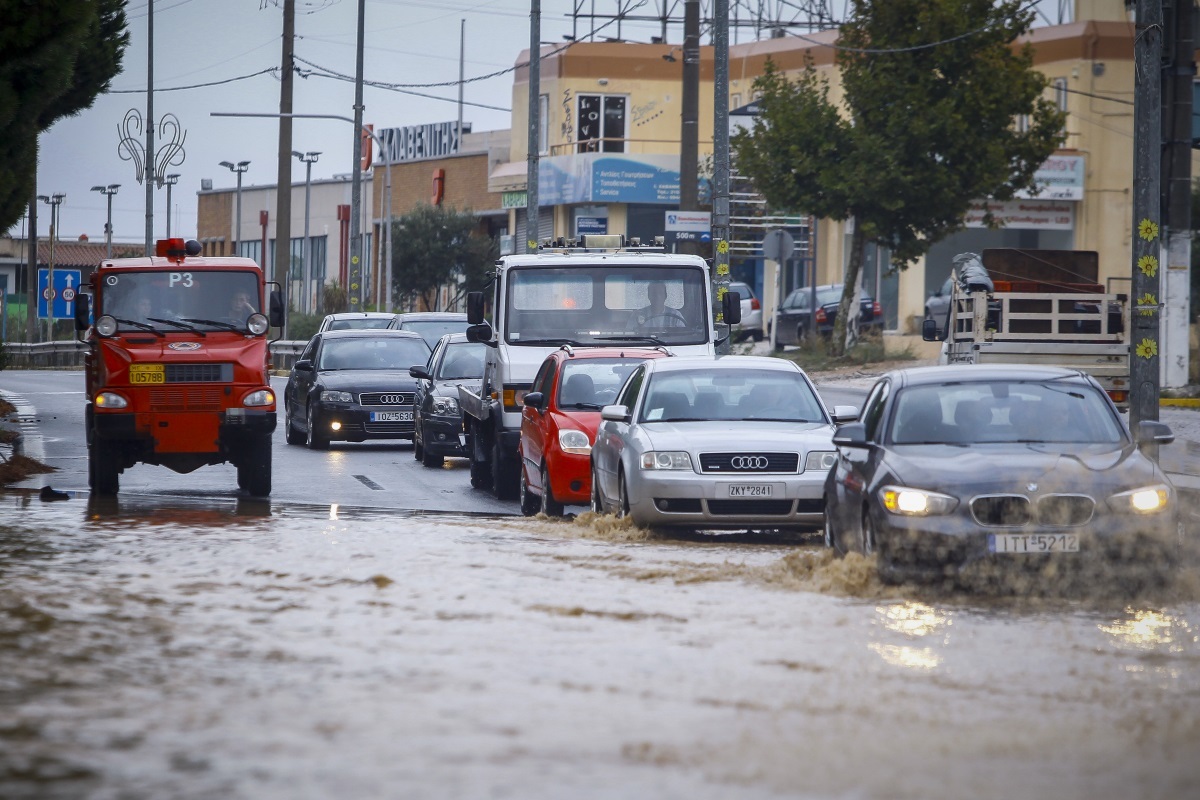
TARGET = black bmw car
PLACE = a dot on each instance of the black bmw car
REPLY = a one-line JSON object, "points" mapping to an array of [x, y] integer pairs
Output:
{"points": [[1008, 465], [439, 426], [353, 385]]}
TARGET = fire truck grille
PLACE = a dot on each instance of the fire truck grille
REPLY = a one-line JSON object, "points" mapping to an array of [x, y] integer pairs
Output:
{"points": [[199, 373], [185, 399]]}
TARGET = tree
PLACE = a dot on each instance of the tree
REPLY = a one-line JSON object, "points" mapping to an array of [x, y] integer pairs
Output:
{"points": [[932, 92], [55, 59], [433, 245]]}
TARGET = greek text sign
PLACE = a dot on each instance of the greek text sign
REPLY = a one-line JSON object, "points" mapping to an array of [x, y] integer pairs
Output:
{"points": [[421, 141]]}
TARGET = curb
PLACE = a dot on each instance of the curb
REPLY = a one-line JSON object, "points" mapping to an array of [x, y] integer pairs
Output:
{"points": [[1180, 402]]}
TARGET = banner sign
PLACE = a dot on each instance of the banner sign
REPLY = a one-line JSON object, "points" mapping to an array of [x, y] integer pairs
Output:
{"points": [[1059, 178], [1047, 215], [695, 221], [608, 178], [421, 141], [514, 199]]}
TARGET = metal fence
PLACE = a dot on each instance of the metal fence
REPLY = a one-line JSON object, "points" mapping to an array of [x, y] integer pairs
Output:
{"points": [[68, 354]]}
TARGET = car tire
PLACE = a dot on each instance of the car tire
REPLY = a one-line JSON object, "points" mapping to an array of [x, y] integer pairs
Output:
{"points": [[530, 503], [103, 469], [549, 506], [868, 533], [757, 334], [418, 448], [831, 534], [290, 434], [313, 439], [597, 503], [505, 480], [481, 471], [622, 496], [430, 460]]}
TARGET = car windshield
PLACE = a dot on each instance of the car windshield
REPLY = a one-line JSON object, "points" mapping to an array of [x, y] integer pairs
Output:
{"points": [[593, 382], [434, 329], [360, 324], [607, 303], [978, 412], [373, 353], [462, 360], [730, 394], [206, 300]]}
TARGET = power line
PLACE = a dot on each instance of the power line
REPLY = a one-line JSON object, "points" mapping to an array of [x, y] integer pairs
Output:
{"points": [[198, 85]]}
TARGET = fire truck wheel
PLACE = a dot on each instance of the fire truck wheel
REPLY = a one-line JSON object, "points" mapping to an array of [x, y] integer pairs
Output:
{"points": [[315, 441], [103, 473], [254, 469], [292, 435]]}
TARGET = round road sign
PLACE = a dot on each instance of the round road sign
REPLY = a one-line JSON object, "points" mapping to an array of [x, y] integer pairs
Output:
{"points": [[68, 294], [48, 293]]}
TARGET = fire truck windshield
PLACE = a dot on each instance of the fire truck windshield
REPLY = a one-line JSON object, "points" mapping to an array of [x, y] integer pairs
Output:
{"points": [[203, 299]]}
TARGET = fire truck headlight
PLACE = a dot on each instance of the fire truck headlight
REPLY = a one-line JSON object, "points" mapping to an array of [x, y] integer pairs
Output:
{"points": [[111, 400], [106, 325], [258, 324], [262, 397]]}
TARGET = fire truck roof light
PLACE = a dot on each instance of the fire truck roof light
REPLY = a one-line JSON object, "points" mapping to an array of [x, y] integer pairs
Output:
{"points": [[176, 248]]}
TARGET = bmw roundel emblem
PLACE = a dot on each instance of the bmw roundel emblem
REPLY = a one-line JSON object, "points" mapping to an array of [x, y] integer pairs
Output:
{"points": [[184, 345]]}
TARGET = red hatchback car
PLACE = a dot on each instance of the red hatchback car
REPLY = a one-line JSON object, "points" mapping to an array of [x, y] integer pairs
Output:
{"points": [[559, 422]]}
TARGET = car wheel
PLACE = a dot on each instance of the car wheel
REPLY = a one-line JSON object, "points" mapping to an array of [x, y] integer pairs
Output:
{"points": [[868, 533], [418, 448], [830, 538], [550, 507], [622, 496], [291, 435], [313, 439], [504, 475], [530, 502], [430, 460], [481, 472], [757, 334], [597, 501]]}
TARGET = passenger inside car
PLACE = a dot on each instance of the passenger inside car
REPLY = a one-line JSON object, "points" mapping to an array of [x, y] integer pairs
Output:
{"points": [[578, 389]]}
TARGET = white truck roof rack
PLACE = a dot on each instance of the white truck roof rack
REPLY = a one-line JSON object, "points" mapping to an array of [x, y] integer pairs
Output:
{"points": [[602, 243]]}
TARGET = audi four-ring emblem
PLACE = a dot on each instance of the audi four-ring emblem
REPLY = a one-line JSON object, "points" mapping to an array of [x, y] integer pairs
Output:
{"points": [[748, 462], [391, 399]]}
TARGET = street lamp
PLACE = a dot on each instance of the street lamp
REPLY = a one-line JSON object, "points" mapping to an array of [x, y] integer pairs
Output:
{"points": [[170, 180], [108, 192], [308, 159], [239, 168], [54, 201]]}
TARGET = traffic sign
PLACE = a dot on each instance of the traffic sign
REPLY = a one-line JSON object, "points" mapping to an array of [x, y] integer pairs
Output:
{"points": [[778, 245], [61, 296]]}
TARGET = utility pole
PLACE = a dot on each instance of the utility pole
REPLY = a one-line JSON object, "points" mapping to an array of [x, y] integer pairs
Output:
{"points": [[720, 221], [689, 133], [535, 91], [31, 282], [354, 290], [283, 200], [150, 128], [1147, 141], [1180, 71]]}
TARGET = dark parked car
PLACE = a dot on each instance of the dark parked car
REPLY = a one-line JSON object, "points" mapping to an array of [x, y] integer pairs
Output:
{"points": [[437, 417], [353, 386], [1012, 465], [793, 317], [432, 325]]}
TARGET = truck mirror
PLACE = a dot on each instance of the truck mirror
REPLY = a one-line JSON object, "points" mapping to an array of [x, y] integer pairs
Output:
{"points": [[474, 307], [929, 330], [276, 308], [731, 307], [82, 311]]}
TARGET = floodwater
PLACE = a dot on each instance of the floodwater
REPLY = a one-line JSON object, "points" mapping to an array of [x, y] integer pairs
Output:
{"points": [[167, 649]]}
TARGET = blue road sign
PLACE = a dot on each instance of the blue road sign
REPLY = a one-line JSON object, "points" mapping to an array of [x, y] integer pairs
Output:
{"points": [[66, 288]]}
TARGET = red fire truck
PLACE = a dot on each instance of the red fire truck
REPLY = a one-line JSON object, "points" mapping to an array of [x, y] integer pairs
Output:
{"points": [[178, 365]]}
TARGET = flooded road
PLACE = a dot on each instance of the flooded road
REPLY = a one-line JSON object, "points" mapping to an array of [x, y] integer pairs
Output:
{"points": [[156, 648]]}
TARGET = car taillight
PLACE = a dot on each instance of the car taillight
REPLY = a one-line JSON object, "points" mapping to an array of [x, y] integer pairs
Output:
{"points": [[877, 309], [820, 315], [754, 304]]}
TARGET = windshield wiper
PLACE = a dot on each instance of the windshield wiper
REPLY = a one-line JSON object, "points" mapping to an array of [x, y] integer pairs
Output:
{"points": [[580, 405], [544, 342], [141, 325], [628, 338], [229, 326], [176, 324]]}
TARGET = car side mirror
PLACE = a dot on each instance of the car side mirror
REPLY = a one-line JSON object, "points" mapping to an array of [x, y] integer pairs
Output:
{"points": [[1154, 432], [419, 371], [845, 414], [480, 333], [929, 330], [82, 311], [534, 400], [615, 413], [851, 435], [303, 365], [731, 307], [474, 307]]}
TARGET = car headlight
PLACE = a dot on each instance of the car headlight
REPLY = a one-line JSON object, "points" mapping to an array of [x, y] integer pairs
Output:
{"points": [[445, 406], [106, 325], [262, 397], [916, 502], [330, 396], [666, 459], [576, 442], [1147, 500], [821, 460], [111, 400], [258, 324]]}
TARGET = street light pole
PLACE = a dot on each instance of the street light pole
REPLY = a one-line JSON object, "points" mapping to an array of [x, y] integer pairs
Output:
{"points": [[387, 177], [54, 201], [308, 159], [239, 168], [170, 180], [108, 192]]}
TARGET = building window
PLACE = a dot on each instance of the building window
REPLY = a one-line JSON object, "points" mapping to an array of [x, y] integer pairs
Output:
{"points": [[543, 121], [1060, 93], [1022, 123], [602, 123]]}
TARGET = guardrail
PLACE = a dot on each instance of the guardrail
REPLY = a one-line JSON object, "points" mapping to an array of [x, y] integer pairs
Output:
{"points": [[68, 354]]}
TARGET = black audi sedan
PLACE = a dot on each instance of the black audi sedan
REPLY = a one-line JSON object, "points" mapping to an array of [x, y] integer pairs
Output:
{"points": [[436, 414], [353, 385], [1006, 465]]}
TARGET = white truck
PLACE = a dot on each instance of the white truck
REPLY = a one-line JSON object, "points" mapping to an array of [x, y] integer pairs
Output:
{"points": [[596, 294], [1045, 308]]}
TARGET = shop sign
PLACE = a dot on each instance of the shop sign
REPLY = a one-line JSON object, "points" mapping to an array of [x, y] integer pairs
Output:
{"points": [[1046, 215]]}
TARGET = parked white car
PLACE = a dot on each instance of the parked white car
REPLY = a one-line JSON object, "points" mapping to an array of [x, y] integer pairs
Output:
{"points": [[751, 324]]}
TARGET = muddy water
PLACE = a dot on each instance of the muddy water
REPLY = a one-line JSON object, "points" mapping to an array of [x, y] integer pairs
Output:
{"points": [[169, 650]]}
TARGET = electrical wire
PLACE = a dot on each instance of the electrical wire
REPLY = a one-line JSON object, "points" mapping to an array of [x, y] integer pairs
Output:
{"points": [[198, 85]]}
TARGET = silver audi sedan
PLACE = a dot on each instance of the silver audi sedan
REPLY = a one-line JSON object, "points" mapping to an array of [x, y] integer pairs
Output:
{"points": [[732, 442]]}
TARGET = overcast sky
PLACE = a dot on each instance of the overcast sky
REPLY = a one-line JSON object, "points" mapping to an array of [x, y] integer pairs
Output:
{"points": [[222, 41]]}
